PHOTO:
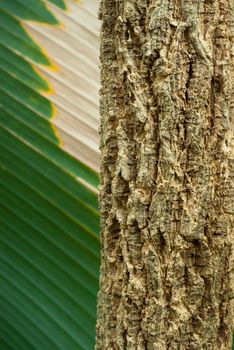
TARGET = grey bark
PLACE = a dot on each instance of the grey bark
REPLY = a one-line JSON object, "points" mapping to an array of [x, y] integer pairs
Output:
{"points": [[167, 170]]}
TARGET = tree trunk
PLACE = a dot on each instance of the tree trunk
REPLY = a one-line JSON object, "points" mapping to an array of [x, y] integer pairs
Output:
{"points": [[167, 171]]}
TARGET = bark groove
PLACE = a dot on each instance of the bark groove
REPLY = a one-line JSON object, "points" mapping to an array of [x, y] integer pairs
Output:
{"points": [[167, 171]]}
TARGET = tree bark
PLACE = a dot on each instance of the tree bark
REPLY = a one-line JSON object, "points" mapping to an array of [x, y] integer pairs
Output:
{"points": [[167, 171]]}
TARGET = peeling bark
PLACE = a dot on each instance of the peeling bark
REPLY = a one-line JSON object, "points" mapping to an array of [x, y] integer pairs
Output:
{"points": [[167, 171]]}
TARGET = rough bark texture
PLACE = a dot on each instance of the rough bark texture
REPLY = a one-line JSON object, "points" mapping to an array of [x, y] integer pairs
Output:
{"points": [[167, 171]]}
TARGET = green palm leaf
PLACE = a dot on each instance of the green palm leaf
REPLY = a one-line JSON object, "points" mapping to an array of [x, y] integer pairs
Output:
{"points": [[49, 222]]}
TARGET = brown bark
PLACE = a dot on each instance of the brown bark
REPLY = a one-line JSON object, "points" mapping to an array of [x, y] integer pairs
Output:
{"points": [[167, 169]]}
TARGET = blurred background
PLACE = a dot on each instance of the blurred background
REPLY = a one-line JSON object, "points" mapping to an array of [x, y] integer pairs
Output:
{"points": [[49, 159]]}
